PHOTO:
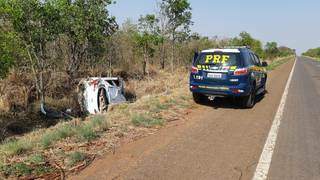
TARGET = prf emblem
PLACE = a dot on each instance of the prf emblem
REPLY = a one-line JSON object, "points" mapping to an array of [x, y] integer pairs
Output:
{"points": [[217, 59]]}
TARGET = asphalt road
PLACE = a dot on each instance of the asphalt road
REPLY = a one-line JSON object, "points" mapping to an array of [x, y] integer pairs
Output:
{"points": [[220, 141], [297, 151]]}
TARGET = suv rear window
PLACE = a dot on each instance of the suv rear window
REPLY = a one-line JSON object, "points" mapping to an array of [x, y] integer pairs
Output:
{"points": [[219, 59]]}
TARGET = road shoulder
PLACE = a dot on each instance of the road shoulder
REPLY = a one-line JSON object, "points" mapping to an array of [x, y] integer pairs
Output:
{"points": [[212, 141]]}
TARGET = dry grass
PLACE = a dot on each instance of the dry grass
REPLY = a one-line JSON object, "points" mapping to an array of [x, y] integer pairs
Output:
{"points": [[277, 62], [161, 99], [163, 82], [4, 106]]}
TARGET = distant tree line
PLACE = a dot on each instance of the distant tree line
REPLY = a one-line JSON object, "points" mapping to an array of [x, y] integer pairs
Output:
{"points": [[315, 53], [79, 38]]}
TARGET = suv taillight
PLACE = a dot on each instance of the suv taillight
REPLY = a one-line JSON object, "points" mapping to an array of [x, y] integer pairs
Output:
{"points": [[241, 71], [194, 70]]}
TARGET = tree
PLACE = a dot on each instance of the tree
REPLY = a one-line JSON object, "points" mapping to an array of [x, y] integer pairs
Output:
{"points": [[39, 24], [271, 49], [178, 13], [285, 51], [11, 49], [35, 23], [163, 23], [315, 52], [86, 24], [245, 39], [148, 37]]}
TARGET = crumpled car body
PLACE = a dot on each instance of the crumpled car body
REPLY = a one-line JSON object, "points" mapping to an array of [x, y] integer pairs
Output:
{"points": [[95, 94]]}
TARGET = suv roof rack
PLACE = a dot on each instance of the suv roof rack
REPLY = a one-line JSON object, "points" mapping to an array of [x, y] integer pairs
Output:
{"points": [[236, 47]]}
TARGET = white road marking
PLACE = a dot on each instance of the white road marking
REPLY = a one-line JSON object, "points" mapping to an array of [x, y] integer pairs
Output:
{"points": [[263, 166]]}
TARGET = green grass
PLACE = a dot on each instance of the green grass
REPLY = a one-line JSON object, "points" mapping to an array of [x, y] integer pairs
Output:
{"points": [[276, 63], [146, 113], [75, 157], [155, 106], [17, 169], [313, 58], [15, 147], [86, 133], [146, 121], [101, 122], [43, 170], [39, 164], [38, 167], [52, 136], [36, 159]]}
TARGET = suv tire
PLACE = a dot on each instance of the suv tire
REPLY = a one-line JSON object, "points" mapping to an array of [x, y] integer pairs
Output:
{"points": [[249, 101], [199, 98]]}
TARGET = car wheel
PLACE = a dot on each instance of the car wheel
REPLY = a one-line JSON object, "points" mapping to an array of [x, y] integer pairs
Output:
{"points": [[265, 87], [264, 90], [249, 101], [199, 98], [103, 102]]}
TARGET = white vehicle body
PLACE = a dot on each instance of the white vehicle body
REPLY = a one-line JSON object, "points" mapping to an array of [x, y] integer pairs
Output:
{"points": [[96, 93]]}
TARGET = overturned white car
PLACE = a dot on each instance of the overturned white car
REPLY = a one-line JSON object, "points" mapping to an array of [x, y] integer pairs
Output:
{"points": [[97, 93]]}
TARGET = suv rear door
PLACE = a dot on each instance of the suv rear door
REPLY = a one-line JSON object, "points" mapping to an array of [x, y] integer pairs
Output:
{"points": [[216, 67]]}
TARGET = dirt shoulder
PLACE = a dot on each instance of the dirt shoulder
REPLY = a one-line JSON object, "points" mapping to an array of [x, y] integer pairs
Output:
{"points": [[217, 140]]}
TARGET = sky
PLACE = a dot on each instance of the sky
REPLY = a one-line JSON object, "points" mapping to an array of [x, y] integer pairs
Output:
{"points": [[292, 23]]}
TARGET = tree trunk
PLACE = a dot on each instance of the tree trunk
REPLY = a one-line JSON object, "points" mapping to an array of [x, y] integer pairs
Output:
{"points": [[145, 61], [37, 70], [172, 55], [162, 56], [78, 52], [173, 46]]}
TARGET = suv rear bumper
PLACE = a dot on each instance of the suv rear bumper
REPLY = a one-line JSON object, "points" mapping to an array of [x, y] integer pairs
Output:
{"points": [[242, 89]]}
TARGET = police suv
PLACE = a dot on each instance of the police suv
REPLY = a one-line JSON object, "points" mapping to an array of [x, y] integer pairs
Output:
{"points": [[228, 72]]}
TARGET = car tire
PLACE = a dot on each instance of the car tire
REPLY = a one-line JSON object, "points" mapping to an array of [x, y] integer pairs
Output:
{"points": [[103, 101], [264, 90], [249, 101], [265, 87], [199, 98]]}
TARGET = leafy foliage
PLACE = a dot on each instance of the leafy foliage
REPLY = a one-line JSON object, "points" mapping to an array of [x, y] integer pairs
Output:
{"points": [[53, 43], [148, 37], [315, 53], [245, 39], [270, 51], [86, 24], [178, 15]]}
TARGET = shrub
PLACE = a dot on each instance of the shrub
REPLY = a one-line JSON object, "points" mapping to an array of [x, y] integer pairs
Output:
{"points": [[56, 135], [36, 159], [15, 147], [145, 121], [17, 169], [86, 132], [75, 157]]}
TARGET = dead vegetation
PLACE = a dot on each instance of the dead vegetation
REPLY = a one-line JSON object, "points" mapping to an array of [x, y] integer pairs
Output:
{"points": [[70, 146]]}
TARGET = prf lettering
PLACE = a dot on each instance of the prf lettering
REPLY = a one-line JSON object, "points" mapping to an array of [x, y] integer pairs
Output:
{"points": [[217, 59]]}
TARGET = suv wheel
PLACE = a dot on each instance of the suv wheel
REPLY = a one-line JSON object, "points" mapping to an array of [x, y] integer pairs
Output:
{"points": [[249, 101], [199, 98]]}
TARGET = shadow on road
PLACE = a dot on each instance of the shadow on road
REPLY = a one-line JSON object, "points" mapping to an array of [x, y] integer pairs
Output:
{"points": [[229, 102]]}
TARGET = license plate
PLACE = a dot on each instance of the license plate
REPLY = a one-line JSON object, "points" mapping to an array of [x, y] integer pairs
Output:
{"points": [[214, 75]]}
